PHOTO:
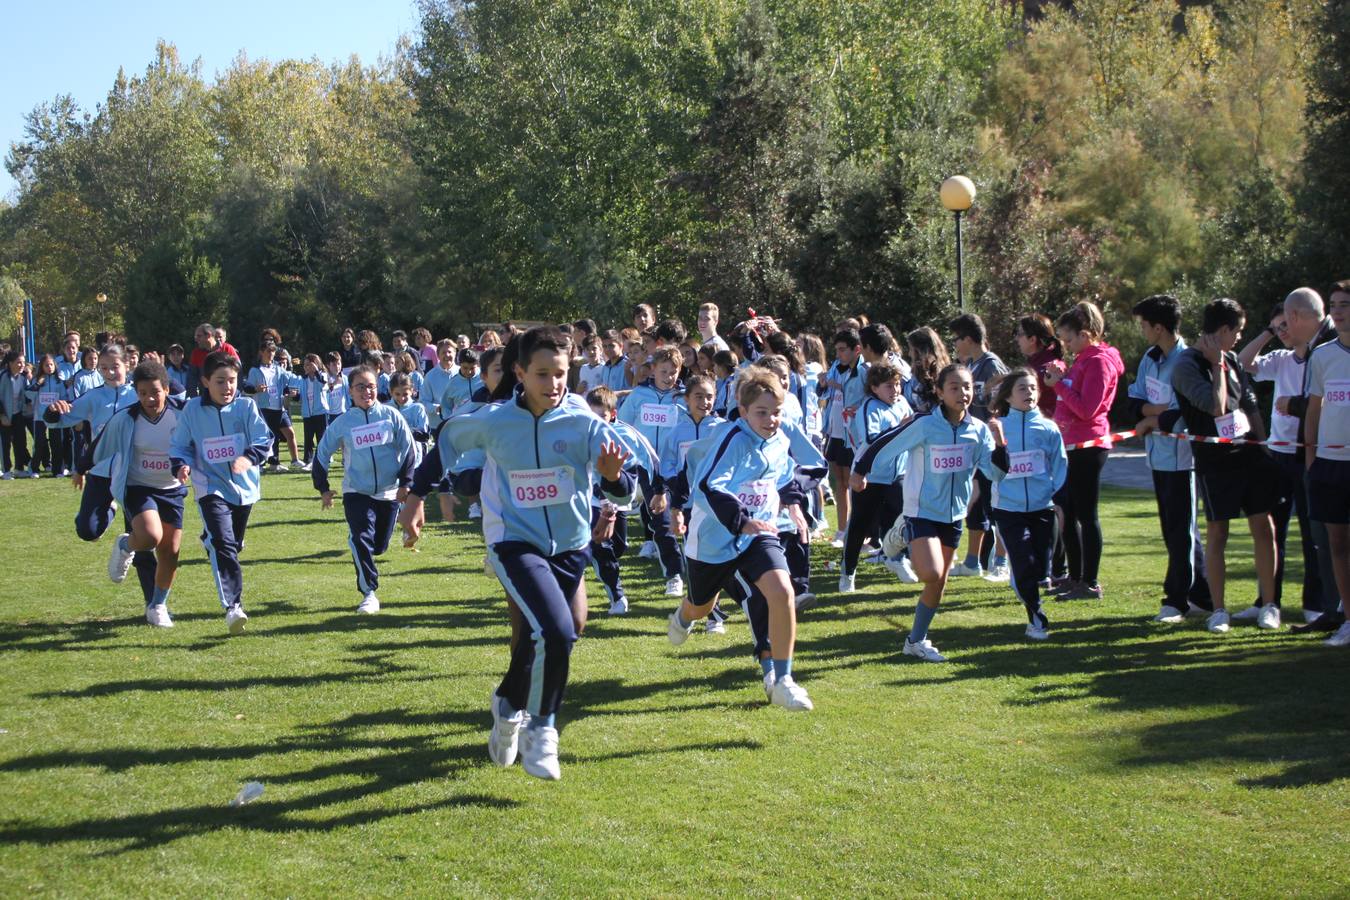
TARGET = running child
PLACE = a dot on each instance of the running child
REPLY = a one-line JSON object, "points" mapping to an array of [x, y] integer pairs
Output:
{"points": [[220, 441], [944, 449], [545, 457], [1029, 466], [378, 460], [136, 443]]}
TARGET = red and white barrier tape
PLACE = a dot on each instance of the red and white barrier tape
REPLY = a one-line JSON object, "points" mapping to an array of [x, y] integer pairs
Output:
{"points": [[1106, 440]]}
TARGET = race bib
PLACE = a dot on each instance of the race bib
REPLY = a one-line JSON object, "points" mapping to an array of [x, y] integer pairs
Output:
{"points": [[1025, 463], [684, 450], [658, 415], [1233, 425], [1159, 392], [373, 435], [946, 459], [153, 463], [533, 488], [47, 398], [759, 496], [224, 449], [1337, 393]]}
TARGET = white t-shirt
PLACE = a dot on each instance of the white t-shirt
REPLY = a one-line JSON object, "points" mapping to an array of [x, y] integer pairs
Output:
{"points": [[1330, 380], [1285, 369], [591, 376], [149, 465]]}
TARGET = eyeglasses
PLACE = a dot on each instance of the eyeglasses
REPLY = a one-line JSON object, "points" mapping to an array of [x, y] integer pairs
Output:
{"points": [[363, 387]]}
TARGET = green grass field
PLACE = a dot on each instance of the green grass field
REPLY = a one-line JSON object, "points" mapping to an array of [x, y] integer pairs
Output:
{"points": [[1120, 758]]}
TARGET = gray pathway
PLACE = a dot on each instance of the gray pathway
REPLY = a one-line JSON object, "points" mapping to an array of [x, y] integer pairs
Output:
{"points": [[1127, 467]]}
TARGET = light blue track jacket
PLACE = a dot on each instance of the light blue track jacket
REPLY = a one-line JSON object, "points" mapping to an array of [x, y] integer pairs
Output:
{"points": [[942, 461], [268, 385], [114, 445], [871, 421], [434, 385], [96, 407], [1153, 384], [539, 473], [1027, 472], [377, 454], [209, 438]]}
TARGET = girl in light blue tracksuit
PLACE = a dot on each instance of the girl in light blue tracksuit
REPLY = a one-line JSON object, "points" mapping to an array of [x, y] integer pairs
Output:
{"points": [[944, 449], [544, 458], [378, 461], [315, 388], [1030, 464], [219, 443], [271, 386]]}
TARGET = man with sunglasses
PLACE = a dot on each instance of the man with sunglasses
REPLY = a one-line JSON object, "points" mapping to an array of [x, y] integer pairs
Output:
{"points": [[1301, 324]]}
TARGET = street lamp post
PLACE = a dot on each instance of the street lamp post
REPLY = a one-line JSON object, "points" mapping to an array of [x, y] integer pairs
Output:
{"points": [[102, 300], [958, 195]]}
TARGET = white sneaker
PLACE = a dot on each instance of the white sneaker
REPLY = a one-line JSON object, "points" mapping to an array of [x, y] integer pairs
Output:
{"points": [[7, 476], [714, 626], [999, 574], [768, 685], [961, 570], [677, 634], [236, 619], [299, 465], [276, 468], [923, 650], [1170, 615], [1250, 614], [675, 587], [1218, 621], [119, 560], [25, 473], [307, 467], [837, 540], [619, 607], [649, 550], [804, 601], [903, 569], [790, 695], [846, 585], [504, 739], [1269, 618], [369, 605], [475, 511], [539, 753], [1341, 638], [157, 614], [1037, 633], [1310, 616]]}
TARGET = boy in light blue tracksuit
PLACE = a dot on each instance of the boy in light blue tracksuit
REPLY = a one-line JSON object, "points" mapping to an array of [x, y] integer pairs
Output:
{"points": [[437, 381], [544, 457], [378, 461], [463, 384], [271, 386], [653, 408], [1029, 465], [744, 481], [944, 449], [94, 409], [219, 443]]}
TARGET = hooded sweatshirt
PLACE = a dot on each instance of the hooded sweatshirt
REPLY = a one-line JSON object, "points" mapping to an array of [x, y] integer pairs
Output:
{"points": [[1086, 393]]}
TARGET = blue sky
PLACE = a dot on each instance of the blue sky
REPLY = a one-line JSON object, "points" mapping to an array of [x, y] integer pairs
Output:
{"points": [[76, 47]]}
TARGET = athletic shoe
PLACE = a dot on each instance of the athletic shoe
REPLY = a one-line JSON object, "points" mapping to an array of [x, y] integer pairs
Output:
{"points": [[846, 583], [619, 607], [1218, 621], [475, 511], [961, 570], [805, 601], [923, 650], [276, 469], [902, 568], [1083, 592], [370, 604], [157, 614], [299, 465], [539, 753], [236, 619], [675, 587], [7, 476], [790, 695], [1170, 615], [1341, 638], [677, 633], [1327, 622], [25, 473], [307, 467], [649, 550], [119, 560], [1250, 614], [837, 540], [768, 685], [998, 574], [1037, 633], [1310, 616], [714, 626], [1269, 618], [504, 739]]}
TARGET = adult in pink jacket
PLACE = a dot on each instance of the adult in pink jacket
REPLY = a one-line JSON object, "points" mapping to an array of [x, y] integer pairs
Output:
{"points": [[1084, 396]]}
